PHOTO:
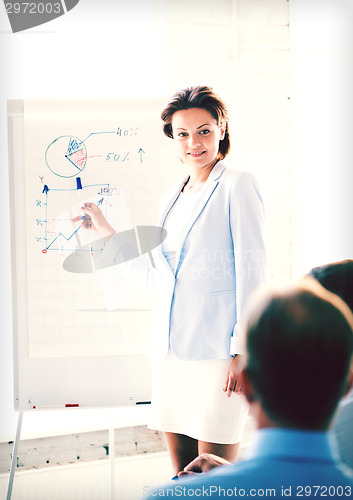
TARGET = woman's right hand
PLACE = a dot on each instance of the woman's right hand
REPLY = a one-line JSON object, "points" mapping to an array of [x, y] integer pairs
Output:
{"points": [[94, 220]]}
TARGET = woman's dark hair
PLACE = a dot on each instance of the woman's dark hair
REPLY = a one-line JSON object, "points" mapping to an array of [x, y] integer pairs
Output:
{"points": [[202, 97]]}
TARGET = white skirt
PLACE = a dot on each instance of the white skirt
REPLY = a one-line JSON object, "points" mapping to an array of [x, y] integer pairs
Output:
{"points": [[188, 398]]}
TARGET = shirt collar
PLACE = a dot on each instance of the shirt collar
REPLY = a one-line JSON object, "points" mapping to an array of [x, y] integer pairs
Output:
{"points": [[299, 444]]}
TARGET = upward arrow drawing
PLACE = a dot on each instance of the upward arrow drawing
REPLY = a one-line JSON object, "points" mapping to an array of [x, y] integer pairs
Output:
{"points": [[45, 189], [140, 151]]}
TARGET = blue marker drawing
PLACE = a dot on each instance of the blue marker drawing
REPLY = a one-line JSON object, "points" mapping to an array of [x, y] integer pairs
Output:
{"points": [[62, 235], [96, 133], [59, 242], [66, 156], [72, 163], [140, 151], [71, 231]]}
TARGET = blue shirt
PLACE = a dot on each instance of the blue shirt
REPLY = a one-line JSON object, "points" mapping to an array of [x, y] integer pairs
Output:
{"points": [[280, 463], [343, 429]]}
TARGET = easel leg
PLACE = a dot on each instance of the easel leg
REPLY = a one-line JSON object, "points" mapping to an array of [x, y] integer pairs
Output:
{"points": [[14, 456], [112, 454]]}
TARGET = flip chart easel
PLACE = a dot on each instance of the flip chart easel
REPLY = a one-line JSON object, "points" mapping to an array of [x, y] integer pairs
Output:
{"points": [[111, 455]]}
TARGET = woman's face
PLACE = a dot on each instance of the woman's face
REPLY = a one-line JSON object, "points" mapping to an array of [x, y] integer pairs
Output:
{"points": [[196, 134]]}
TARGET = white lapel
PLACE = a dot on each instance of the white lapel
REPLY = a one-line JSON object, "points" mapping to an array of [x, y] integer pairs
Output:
{"points": [[175, 193], [207, 191], [173, 198]]}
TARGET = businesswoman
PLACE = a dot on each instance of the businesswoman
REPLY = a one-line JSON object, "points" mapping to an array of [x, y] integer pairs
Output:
{"points": [[204, 271]]}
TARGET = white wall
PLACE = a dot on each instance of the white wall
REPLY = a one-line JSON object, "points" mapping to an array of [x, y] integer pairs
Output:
{"points": [[264, 119], [322, 64]]}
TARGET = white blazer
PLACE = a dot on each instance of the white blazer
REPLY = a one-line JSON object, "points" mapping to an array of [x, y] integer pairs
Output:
{"points": [[221, 261]]}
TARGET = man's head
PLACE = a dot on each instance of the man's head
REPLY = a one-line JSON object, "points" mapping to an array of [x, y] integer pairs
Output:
{"points": [[299, 352], [337, 277]]}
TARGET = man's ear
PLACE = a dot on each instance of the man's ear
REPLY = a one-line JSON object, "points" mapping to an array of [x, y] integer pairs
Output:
{"points": [[248, 387]]}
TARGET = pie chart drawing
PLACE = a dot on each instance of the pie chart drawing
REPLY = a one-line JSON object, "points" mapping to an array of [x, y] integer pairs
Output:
{"points": [[66, 156]]}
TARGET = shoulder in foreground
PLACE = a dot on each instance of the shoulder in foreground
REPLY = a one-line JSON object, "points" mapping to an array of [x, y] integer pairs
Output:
{"points": [[251, 476]]}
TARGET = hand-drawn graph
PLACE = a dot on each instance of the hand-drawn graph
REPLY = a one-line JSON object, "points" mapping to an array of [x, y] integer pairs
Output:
{"points": [[110, 153], [63, 235], [81, 250], [66, 156], [67, 237]]}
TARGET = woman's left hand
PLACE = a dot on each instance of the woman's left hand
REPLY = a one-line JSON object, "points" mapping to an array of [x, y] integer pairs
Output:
{"points": [[234, 377]]}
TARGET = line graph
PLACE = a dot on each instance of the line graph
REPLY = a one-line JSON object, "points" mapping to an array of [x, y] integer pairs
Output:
{"points": [[65, 236], [82, 250], [61, 235]]}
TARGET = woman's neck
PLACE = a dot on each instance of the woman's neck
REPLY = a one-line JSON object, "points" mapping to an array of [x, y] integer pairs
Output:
{"points": [[198, 177]]}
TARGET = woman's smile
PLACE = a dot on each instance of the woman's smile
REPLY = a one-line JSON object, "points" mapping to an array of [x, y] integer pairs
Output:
{"points": [[196, 154]]}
